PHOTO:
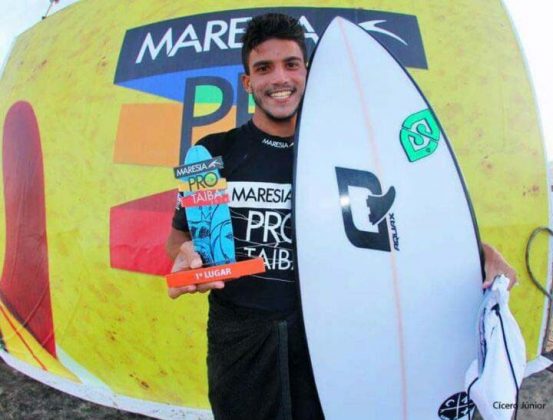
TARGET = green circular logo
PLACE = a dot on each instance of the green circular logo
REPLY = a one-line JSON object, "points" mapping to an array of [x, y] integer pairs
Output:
{"points": [[210, 179]]}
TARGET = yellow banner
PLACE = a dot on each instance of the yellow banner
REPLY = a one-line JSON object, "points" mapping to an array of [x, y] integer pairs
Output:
{"points": [[108, 97]]}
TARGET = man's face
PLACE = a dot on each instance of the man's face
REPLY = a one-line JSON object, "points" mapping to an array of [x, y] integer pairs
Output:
{"points": [[276, 79]]}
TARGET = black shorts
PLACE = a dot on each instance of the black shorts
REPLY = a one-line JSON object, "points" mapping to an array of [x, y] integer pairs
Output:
{"points": [[258, 365]]}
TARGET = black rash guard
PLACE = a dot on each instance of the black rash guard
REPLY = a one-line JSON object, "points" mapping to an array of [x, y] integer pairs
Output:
{"points": [[258, 168]]}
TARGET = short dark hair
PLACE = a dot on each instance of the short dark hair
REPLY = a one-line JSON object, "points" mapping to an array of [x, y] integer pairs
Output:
{"points": [[268, 26]]}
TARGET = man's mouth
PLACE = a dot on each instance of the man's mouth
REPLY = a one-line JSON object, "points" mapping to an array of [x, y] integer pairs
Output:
{"points": [[281, 93]]}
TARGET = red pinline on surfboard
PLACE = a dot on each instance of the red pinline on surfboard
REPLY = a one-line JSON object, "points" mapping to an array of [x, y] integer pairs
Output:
{"points": [[393, 262], [362, 94]]}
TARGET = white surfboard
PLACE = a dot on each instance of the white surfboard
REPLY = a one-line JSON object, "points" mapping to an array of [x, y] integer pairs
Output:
{"points": [[387, 247]]}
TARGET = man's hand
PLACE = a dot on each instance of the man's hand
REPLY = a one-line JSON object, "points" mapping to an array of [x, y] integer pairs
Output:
{"points": [[495, 265], [186, 258]]}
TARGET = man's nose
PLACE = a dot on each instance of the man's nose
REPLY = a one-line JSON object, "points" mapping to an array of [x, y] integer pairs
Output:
{"points": [[281, 74]]}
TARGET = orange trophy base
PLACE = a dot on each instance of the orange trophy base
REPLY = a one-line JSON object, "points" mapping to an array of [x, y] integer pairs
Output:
{"points": [[222, 272]]}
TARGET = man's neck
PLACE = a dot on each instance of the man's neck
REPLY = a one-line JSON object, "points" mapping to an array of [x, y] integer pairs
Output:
{"points": [[285, 128]]}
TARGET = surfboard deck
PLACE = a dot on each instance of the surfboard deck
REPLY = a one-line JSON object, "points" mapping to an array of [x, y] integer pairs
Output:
{"points": [[390, 298]]}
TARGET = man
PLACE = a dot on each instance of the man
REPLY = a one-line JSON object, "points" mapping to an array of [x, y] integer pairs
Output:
{"points": [[258, 366]]}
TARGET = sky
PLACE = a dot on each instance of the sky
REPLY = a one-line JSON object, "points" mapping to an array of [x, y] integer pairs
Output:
{"points": [[531, 19]]}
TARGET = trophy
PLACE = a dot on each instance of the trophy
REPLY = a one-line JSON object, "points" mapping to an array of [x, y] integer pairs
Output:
{"points": [[202, 193]]}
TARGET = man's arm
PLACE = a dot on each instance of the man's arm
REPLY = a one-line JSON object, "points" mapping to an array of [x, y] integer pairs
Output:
{"points": [[495, 265], [179, 247]]}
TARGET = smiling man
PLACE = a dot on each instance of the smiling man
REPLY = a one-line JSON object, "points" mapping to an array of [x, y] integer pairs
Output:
{"points": [[258, 364]]}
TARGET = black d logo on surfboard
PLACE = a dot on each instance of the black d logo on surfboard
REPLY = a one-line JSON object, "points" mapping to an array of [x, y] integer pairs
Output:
{"points": [[377, 203]]}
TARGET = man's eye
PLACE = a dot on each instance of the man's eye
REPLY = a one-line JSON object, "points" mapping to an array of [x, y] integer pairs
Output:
{"points": [[262, 69]]}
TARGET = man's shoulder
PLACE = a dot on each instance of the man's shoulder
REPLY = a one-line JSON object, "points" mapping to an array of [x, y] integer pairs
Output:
{"points": [[219, 143]]}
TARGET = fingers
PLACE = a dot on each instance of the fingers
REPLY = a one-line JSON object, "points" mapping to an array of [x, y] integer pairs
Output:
{"points": [[512, 282], [190, 255], [175, 292], [186, 258], [487, 284], [495, 265], [193, 258], [202, 288]]}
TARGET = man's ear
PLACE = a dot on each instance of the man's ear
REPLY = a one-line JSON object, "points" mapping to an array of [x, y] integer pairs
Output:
{"points": [[246, 83]]}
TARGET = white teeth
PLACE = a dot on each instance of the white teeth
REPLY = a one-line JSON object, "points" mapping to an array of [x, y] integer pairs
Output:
{"points": [[281, 94]]}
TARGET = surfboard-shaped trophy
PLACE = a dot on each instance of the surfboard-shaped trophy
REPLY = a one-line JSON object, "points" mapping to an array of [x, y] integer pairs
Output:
{"points": [[202, 193]]}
